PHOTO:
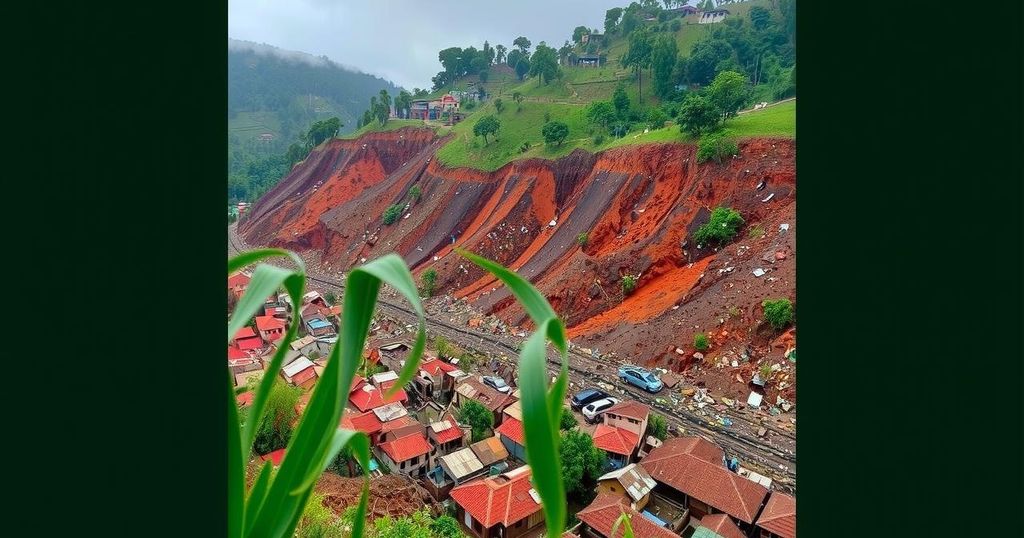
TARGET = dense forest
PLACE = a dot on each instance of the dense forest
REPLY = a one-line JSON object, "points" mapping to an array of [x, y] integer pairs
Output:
{"points": [[283, 93]]}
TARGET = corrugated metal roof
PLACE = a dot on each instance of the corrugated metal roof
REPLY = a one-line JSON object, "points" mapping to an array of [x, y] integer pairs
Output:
{"points": [[462, 463], [383, 377], [297, 366], [440, 426], [390, 411]]}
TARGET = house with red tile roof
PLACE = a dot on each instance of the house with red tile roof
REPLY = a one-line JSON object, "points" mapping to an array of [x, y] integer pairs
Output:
{"points": [[275, 457], [718, 526], [237, 283], [597, 520], [631, 482], [407, 455], [619, 444], [301, 372], [512, 437], [270, 328], [778, 519], [628, 415], [366, 397], [235, 354], [690, 471], [244, 399], [505, 506], [367, 423], [446, 435]]}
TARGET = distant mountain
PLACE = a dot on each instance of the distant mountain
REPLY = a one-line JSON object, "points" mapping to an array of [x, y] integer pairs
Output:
{"points": [[274, 95]]}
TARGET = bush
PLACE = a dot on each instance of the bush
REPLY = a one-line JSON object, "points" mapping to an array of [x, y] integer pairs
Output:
{"points": [[415, 192], [628, 284], [547, 116], [392, 213], [700, 341], [720, 228], [469, 105], [582, 239], [657, 426], [442, 347], [675, 25], [599, 139], [568, 420], [697, 115], [555, 132], [715, 146], [429, 278], [656, 118], [778, 312], [499, 105]]}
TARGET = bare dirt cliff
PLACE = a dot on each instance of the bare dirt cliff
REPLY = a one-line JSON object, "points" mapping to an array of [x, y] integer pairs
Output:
{"points": [[637, 206]]}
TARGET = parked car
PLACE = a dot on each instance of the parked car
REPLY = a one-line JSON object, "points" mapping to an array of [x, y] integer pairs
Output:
{"points": [[588, 396], [594, 411], [640, 377], [497, 384]]}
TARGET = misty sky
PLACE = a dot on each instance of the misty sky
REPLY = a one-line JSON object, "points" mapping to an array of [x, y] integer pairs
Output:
{"points": [[399, 39]]}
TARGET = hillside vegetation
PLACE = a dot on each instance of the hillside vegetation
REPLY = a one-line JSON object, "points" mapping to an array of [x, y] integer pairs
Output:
{"points": [[282, 93], [654, 57]]}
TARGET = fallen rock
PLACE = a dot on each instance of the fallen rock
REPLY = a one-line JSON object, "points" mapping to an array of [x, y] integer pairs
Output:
{"points": [[761, 432]]}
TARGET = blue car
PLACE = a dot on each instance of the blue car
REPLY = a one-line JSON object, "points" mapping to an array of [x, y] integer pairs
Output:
{"points": [[640, 377]]}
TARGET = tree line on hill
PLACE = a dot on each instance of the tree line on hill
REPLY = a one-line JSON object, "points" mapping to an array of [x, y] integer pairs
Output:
{"points": [[458, 62]]}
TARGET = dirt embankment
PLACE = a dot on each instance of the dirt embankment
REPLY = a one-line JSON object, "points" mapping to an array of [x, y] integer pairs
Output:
{"points": [[574, 227], [390, 495]]}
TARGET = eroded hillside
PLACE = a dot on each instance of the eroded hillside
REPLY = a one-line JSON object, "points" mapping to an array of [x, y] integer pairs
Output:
{"points": [[637, 205]]}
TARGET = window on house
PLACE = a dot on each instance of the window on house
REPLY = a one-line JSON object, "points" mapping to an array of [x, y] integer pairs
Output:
{"points": [[401, 465]]}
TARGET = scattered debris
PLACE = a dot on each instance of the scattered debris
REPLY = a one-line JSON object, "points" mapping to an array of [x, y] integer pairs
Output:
{"points": [[783, 227], [759, 272], [770, 196], [754, 400]]}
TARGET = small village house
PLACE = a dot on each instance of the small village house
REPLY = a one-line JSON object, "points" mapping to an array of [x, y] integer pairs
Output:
{"points": [[367, 423], [365, 396], [628, 415], [270, 328], [495, 402], [624, 425], [446, 435], [691, 472], [512, 437], [489, 451], [237, 282], [713, 16], [598, 519], [406, 455], [778, 519], [632, 483], [300, 373], [462, 466], [305, 345], [503, 506]]}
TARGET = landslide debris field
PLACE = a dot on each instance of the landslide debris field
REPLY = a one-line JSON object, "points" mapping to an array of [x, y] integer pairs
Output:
{"points": [[638, 207]]}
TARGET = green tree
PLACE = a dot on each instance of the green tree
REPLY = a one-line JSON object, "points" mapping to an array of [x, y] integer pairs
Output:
{"points": [[582, 239], [639, 57], [402, 103], [611, 18], [499, 53], [663, 61], [429, 279], [698, 115], [704, 59], [522, 67], [499, 105], [555, 132], [330, 297], [621, 101], [392, 213], [720, 228], [480, 420], [656, 118], [383, 109], [323, 130], [600, 113], [578, 33], [582, 464], [778, 312], [522, 44], [715, 146], [415, 192], [485, 126], [518, 98], [657, 426], [700, 342], [442, 347], [760, 17], [544, 63], [568, 420], [628, 283], [728, 92], [275, 430], [630, 22]]}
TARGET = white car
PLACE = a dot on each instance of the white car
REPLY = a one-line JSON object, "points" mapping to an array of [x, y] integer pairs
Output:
{"points": [[594, 411]]}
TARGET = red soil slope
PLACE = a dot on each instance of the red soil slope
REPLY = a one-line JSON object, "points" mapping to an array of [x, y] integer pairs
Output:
{"points": [[637, 205]]}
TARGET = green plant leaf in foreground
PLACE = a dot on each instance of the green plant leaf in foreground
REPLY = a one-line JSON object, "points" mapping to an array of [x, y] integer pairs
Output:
{"points": [[317, 438], [627, 532], [541, 408]]}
